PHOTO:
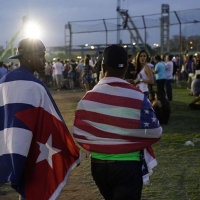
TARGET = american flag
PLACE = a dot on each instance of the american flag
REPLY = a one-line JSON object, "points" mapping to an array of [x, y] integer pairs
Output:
{"points": [[37, 152], [116, 117]]}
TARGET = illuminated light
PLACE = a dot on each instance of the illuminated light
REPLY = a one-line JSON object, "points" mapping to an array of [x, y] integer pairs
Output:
{"points": [[86, 45], [32, 30], [191, 47], [134, 43], [125, 46], [191, 42], [92, 47], [79, 57]]}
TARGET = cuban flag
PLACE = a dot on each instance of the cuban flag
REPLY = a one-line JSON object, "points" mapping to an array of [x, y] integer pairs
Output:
{"points": [[116, 117], [37, 152]]}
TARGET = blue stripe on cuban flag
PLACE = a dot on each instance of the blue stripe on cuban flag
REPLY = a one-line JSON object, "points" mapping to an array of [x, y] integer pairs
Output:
{"points": [[13, 133]]}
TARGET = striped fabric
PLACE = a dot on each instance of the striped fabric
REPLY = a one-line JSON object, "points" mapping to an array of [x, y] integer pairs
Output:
{"points": [[37, 152], [116, 117]]}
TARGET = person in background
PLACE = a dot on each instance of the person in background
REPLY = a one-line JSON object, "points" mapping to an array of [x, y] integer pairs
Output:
{"points": [[131, 69], [72, 74], [108, 124], [48, 74], [143, 72], [79, 71], [66, 69], [58, 72], [3, 70], [54, 79], [162, 107], [87, 75], [152, 96], [98, 65], [197, 64], [151, 64], [91, 63], [190, 70], [169, 77], [195, 103], [195, 87], [160, 73]]}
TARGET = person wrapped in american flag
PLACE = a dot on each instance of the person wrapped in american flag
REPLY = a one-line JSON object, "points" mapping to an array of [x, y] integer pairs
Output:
{"points": [[37, 152], [117, 124]]}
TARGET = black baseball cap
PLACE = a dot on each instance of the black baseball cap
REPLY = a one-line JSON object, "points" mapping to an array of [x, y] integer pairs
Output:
{"points": [[115, 56], [27, 45]]}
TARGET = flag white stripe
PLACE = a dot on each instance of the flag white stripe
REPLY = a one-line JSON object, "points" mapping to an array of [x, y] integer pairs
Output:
{"points": [[110, 110], [143, 133], [31, 95], [92, 137], [15, 140], [104, 142]]}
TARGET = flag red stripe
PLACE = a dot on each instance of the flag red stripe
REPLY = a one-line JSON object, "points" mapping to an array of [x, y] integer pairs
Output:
{"points": [[113, 100], [126, 139], [108, 119]]}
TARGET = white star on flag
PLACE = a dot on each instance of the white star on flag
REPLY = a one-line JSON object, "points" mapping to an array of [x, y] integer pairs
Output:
{"points": [[146, 124], [47, 151], [146, 111], [153, 119]]}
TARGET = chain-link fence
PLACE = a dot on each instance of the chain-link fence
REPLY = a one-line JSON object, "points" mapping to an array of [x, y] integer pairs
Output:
{"points": [[182, 26]]}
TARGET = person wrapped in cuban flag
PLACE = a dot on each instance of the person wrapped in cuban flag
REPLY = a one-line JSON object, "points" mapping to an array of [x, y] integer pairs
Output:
{"points": [[37, 152], [117, 124]]}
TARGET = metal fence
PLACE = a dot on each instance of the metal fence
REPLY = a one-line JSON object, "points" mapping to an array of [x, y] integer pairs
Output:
{"points": [[183, 24]]}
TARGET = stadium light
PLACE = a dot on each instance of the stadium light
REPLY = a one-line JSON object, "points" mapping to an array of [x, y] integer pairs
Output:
{"points": [[32, 30]]}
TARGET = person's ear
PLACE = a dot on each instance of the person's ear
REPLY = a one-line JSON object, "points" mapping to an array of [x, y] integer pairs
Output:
{"points": [[27, 58]]}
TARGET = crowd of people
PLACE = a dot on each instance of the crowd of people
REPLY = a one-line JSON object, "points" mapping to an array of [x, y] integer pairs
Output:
{"points": [[143, 71], [120, 109]]}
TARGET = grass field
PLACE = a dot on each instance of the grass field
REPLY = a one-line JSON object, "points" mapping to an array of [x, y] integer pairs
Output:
{"points": [[177, 176]]}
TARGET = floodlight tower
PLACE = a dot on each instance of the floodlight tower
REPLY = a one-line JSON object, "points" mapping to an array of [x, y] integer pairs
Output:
{"points": [[164, 37]]}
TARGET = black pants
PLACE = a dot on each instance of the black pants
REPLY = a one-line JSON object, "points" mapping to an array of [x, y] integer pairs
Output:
{"points": [[161, 85], [121, 180]]}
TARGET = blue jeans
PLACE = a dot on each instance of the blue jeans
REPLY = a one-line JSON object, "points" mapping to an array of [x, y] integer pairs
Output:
{"points": [[168, 86]]}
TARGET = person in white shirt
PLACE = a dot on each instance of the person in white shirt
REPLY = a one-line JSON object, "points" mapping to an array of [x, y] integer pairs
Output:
{"points": [[169, 77], [58, 71], [143, 72]]}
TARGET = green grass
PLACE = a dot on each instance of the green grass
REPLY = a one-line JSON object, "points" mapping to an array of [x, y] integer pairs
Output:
{"points": [[177, 176]]}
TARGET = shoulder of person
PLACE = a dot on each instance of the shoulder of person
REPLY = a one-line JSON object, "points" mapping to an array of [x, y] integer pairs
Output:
{"points": [[157, 103]]}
